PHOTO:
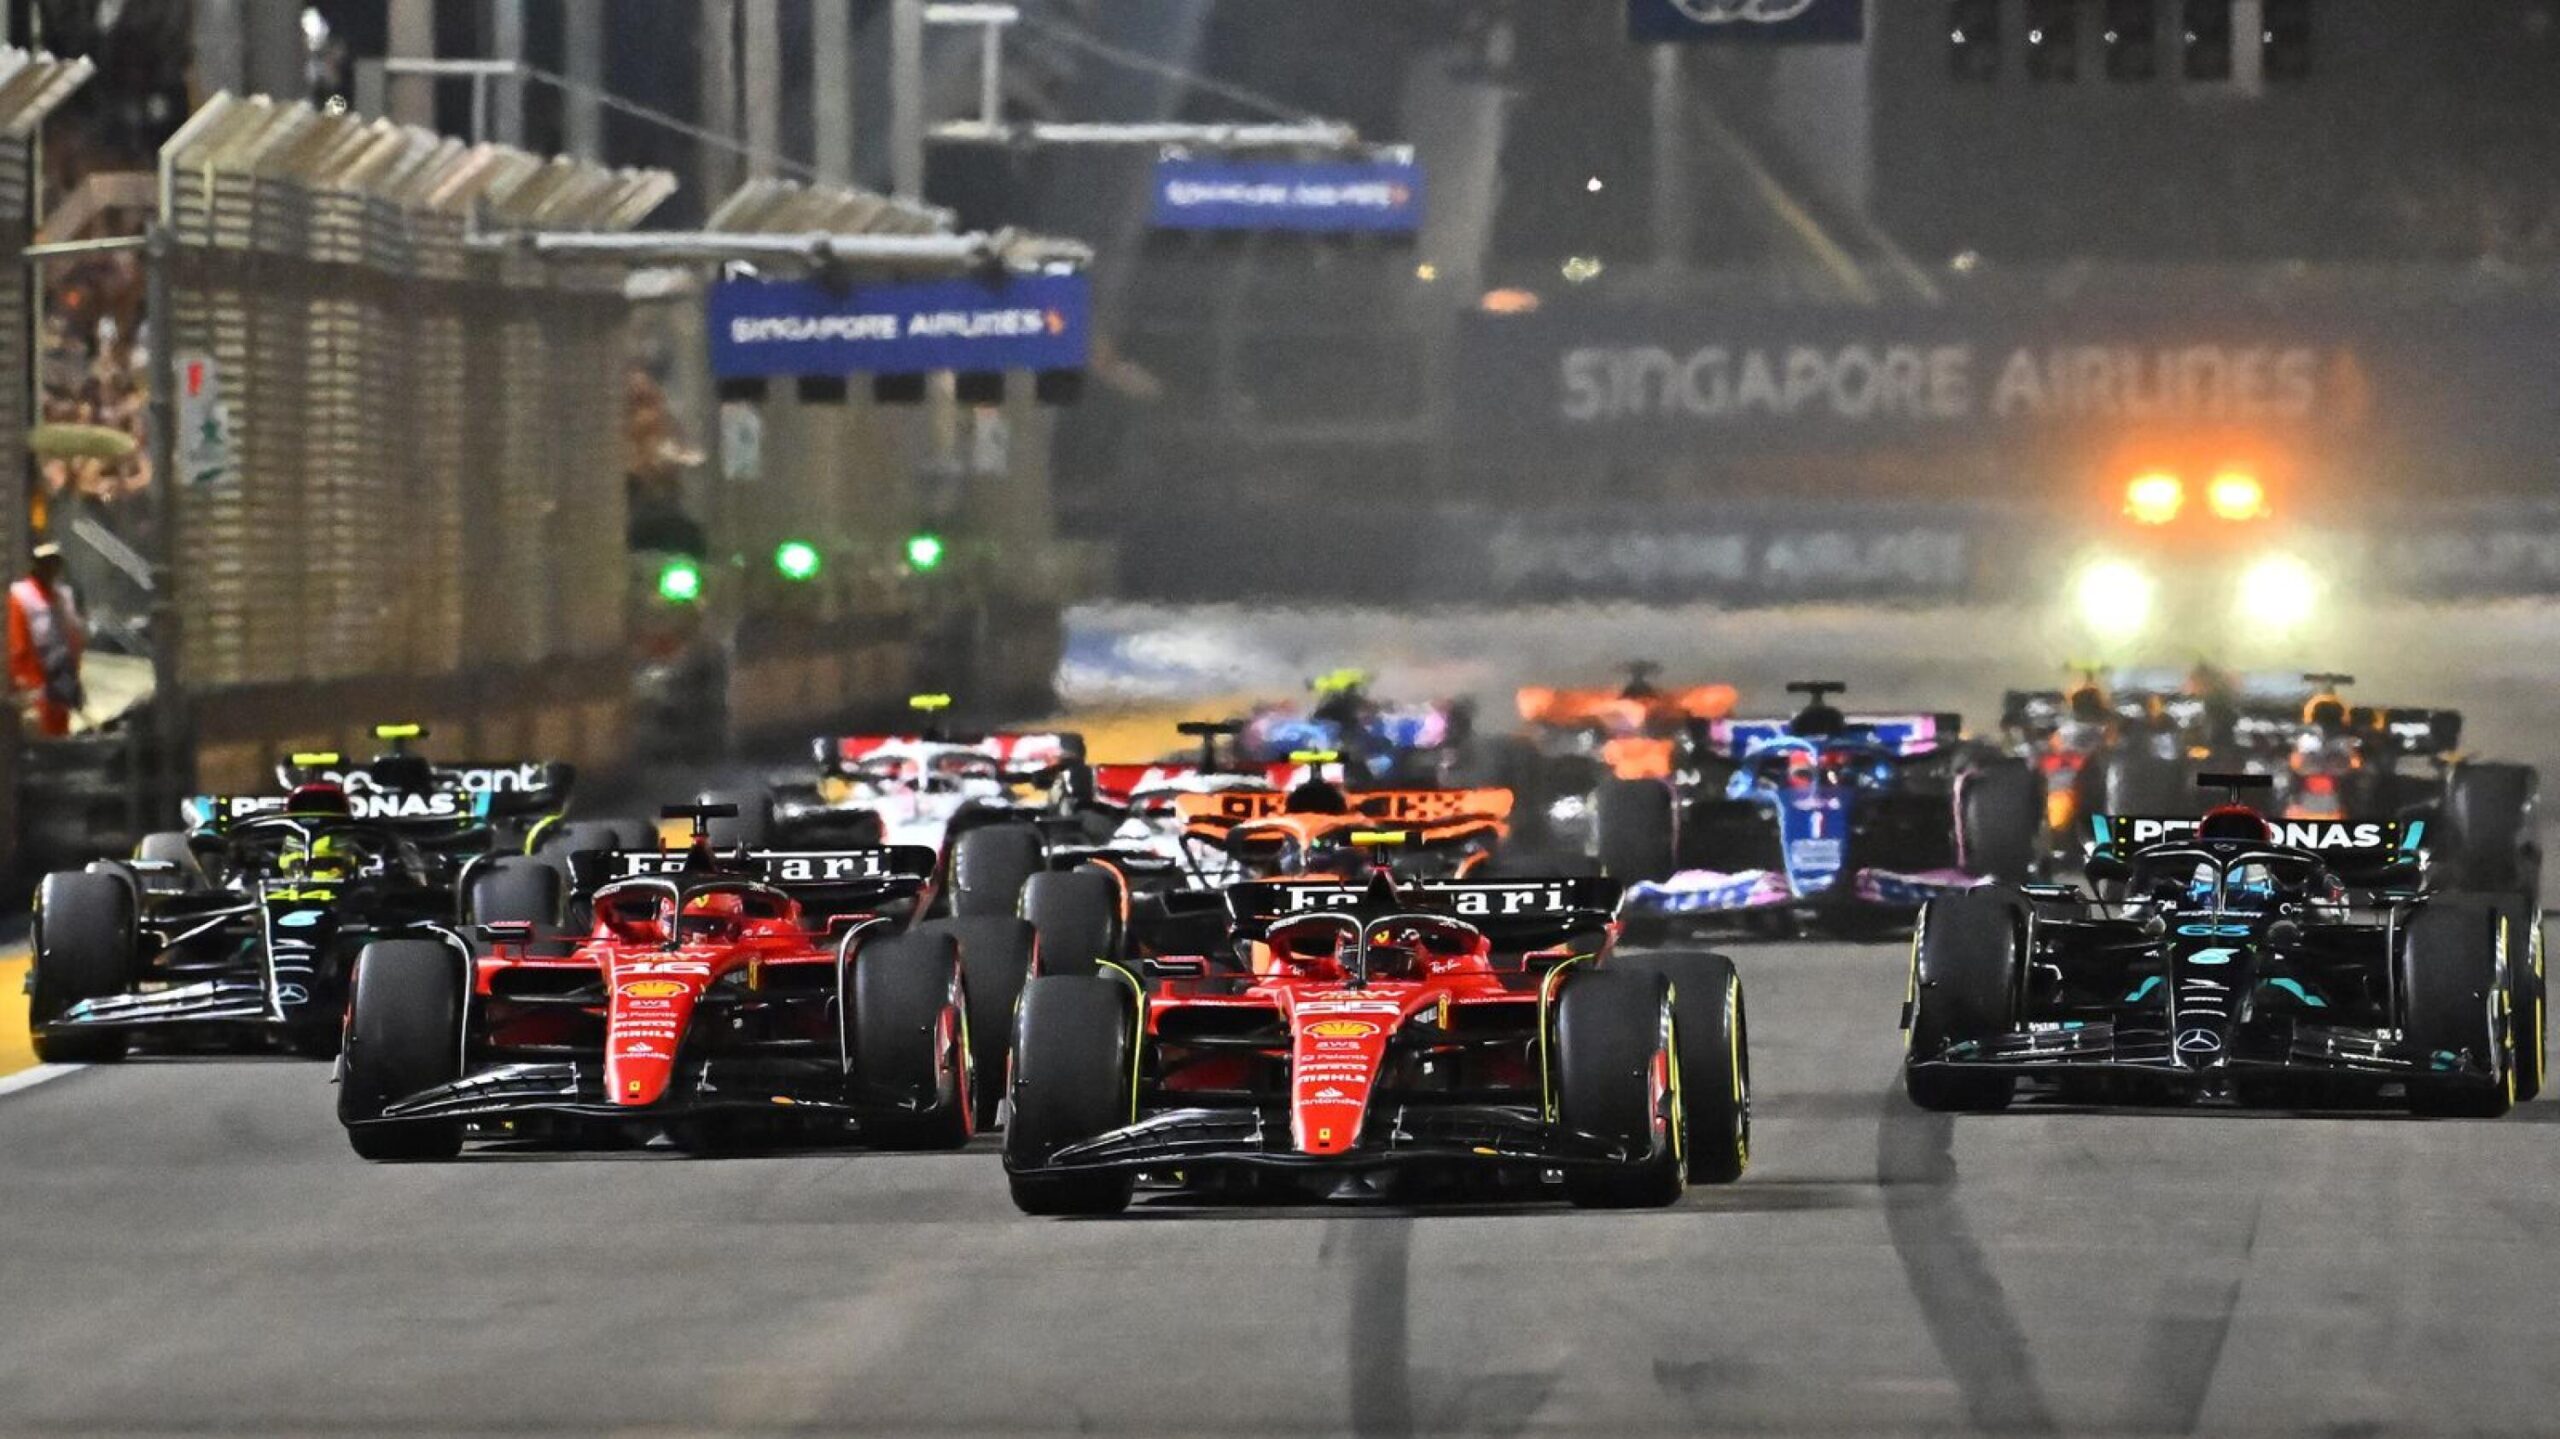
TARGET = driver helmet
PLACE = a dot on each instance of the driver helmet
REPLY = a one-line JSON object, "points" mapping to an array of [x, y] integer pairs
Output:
{"points": [[325, 857], [2088, 704], [1318, 796], [1817, 721], [2326, 713], [2233, 821], [717, 914]]}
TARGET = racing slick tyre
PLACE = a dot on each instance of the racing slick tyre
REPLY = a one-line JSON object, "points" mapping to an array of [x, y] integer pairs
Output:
{"points": [[404, 1035], [1714, 1041], [2456, 1000], [1072, 1075], [908, 1030], [2489, 809], [87, 946], [1999, 820], [1616, 1077], [2131, 782], [514, 889], [1964, 975], [753, 827], [1637, 836], [171, 847], [1077, 912], [2528, 990], [995, 954], [989, 866]]}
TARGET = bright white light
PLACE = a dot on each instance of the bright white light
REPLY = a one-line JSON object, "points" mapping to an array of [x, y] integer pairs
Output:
{"points": [[2278, 593], [1582, 268], [2114, 599], [1593, 185]]}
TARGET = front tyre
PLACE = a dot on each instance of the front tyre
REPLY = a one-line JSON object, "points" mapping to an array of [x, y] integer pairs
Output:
{"points": [[87, 946], [1073, 1079], [2455, 993], [404, 1036], [1616, 1068], [1964, 975]]}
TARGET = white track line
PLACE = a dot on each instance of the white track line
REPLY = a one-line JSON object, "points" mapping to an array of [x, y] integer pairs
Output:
{"points": [[30, 1078]]}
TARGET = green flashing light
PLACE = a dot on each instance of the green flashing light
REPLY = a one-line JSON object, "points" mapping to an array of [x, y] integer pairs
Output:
{"points": [[680, 582], [924, 551], [797, 560]]}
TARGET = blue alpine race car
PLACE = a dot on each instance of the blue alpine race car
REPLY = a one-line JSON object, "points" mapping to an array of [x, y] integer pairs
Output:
{"points": [[1822, 818]]}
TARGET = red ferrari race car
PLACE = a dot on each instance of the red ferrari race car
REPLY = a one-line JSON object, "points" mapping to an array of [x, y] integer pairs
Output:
{"points": [[721, 997], [1384, 1038]]}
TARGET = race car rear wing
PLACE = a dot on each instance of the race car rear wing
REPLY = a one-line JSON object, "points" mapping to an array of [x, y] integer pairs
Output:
{"points": [[828, 880], [1516, 914], [1905, 734], [1121, 783], [512, 790], [2369, 839], [441, 809], [1394, 806], [1012, 749]]}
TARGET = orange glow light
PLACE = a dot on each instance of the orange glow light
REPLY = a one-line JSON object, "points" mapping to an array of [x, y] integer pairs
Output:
{"points": [[1509, 302], [2237, 495], [2155, 498]]}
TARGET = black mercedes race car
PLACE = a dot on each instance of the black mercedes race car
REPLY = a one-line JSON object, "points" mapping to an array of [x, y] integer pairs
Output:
{"points": [[242, 928], [2284, 963]]}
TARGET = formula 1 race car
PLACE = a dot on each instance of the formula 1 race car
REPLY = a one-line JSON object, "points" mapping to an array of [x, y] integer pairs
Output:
{"points": [[244, 928], [1379, 743], [1572, 739], [1823, 817], [922, 787], [1384, 1037], [2285, 963], [724, 997], [2135, 747]]}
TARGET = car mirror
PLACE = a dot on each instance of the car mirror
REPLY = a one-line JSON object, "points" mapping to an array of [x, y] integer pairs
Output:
{"points": [[2104, 867]]}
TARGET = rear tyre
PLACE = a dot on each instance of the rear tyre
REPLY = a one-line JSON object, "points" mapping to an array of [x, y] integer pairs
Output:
{"points": [[87, 946], [1636, 834], [515, 889], [2456, 996], [1964, 973], [1999, 820], [989, 866], [2132, 782], [404, 1035], [2489, 811], [995, 954], [1615, 1062], [1714, 1057], [753, 826], [909, 1035], [1077, 913], [1073, 1069]]}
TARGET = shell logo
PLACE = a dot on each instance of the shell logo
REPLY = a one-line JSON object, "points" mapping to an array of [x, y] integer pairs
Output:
{"points": [[653, 989], [1342, 1029]]}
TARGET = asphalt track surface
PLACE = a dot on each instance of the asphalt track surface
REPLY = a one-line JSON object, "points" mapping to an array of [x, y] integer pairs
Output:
{"points": [[190, 1247]]}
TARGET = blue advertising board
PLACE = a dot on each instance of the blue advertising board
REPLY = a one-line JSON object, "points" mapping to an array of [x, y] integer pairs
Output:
{"points": [[1332, 197], [1790, 21], [802, 327]]}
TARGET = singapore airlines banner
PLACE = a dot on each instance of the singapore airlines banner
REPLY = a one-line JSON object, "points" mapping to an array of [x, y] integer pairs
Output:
{"points": [[1652, 381]]}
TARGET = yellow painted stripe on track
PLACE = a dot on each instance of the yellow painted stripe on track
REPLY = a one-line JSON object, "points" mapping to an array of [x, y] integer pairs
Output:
{"points": [[16, 1050]]}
